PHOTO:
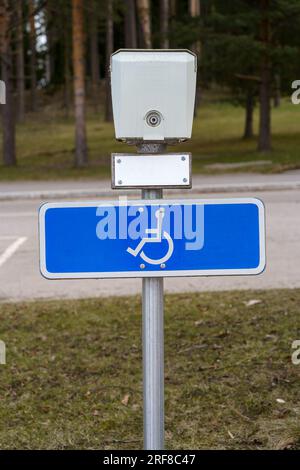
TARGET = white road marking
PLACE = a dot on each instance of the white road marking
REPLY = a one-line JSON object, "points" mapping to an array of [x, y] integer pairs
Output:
{"points": [[11, 249]]}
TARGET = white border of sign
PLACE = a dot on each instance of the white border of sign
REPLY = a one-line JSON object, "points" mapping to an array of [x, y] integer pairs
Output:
{"points": [[161, 273]]}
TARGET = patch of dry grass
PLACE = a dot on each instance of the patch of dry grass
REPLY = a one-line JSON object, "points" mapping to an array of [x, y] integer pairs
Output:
{"points": [[73, 377]]}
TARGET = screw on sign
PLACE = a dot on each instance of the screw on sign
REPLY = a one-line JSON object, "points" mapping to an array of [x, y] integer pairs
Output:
{"points": [[152, 238]]}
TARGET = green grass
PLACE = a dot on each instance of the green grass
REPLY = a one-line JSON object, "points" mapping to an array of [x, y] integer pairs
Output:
{"points": [[73, 376], [45, 143]]}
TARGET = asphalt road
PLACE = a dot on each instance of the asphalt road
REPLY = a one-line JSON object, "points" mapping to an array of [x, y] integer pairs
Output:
{"points": [[19, 270]]}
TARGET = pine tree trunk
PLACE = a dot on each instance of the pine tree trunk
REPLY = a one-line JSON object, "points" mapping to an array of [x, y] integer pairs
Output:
{"points": [[264, 141], [194, 7], [49, 34], [32, 41], [130, 25], [94, 54], [173, 8], [172, 22], [20, 62], [195, 10], [81, 155], [67, 74], [9, 147], [277, 96], [164, 24], [109, 51], [248, 131], [143, 7]]}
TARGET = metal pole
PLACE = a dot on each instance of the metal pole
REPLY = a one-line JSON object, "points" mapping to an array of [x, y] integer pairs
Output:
{"points": [[153, 341]]}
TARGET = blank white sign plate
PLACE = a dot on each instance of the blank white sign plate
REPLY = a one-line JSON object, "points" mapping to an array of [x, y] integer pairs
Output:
{"points": [[172, 170]]}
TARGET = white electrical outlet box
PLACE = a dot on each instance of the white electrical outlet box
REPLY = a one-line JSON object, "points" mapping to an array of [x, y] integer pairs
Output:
{"points": [[151, 171], [153, 94]]}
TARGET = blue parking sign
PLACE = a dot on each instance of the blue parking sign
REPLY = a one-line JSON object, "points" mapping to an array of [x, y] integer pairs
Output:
{"points": [[152, 238]]}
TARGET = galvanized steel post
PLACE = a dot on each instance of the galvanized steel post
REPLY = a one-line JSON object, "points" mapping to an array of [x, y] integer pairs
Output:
{"points": [[153, 341]]}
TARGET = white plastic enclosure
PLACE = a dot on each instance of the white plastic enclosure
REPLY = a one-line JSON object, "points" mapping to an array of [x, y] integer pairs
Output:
{"points": [[153, 94], [151, 171]]}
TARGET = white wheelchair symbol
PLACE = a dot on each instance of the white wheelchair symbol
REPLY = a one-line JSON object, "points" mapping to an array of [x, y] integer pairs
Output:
{"points": [[159, 234]]}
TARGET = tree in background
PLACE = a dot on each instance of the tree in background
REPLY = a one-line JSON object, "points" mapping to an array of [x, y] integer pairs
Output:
{"points": [[264, 140], [58, 34], [130, 34], [249, 52], [33, 61], [109, 51], [279, 57], [94, 52], [9, 146], [49, 62], [249, 107], [81, 153], [230, 54], [173, 4], [143, 7], [67, 63], [58, 54], [20, 62], [164, 24], [194, 10], [245, 43]]}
